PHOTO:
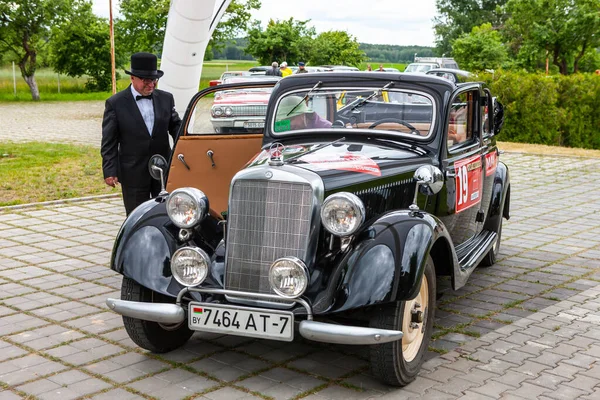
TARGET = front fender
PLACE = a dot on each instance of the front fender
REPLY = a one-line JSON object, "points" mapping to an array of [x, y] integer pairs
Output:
{"points": [[143, 248], [388, 263]]}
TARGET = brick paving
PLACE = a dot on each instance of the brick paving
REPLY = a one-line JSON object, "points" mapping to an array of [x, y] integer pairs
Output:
{"points": [[524, 328]]}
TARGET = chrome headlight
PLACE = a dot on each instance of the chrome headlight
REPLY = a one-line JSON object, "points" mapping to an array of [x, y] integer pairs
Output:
{"points": [[189, 266], [342, 213], [228, 111], [217, 111], [288, 277], [187, 206]]}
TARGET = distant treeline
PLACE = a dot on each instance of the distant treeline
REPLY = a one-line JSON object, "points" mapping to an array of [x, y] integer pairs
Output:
{"points": [[234, 50]]}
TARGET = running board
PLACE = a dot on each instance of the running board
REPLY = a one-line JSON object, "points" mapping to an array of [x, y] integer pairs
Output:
{"points": [[471, 253]]}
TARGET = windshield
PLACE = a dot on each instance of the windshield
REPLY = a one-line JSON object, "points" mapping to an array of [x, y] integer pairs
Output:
{"points": [[397, 111]]}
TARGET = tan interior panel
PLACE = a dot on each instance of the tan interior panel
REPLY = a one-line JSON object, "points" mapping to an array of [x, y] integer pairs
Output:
{"points": [[230, 154]]}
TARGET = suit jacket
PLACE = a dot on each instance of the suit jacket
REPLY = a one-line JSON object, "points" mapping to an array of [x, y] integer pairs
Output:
{"points": [[126, 144]]}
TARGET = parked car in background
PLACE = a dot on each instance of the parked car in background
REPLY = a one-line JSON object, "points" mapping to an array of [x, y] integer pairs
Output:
{"points": [[335, 219], [420, 67], [453, 75], [341, 68], [260, 69], [442, 62], [390, 69], [243, 110], [227, 74]]}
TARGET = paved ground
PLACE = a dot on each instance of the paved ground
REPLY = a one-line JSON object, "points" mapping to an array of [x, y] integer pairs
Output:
{"points": [[525, 328]]}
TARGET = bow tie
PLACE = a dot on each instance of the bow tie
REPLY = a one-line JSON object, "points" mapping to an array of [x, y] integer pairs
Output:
{"points": [[138, 97]]}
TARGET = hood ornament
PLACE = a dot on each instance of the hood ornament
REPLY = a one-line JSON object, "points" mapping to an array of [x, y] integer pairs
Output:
{"points": [[276, 154]]}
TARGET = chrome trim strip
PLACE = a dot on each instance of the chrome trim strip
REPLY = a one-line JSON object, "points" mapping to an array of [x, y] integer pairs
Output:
{"points": [[342, 334], [158, 312]]}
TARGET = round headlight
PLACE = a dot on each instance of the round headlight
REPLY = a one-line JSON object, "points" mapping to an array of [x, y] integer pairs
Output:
{"points": [[189, 266], [342, 213], [186, 207], [288, 277], [217, 111], [228, 112]]}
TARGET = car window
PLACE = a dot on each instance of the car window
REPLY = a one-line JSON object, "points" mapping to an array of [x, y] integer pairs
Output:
{"points": [[374, 109], [461, 119], [230, 111]]}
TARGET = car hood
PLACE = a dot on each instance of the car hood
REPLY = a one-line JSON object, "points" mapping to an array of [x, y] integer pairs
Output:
{"points": [[348, 163]]}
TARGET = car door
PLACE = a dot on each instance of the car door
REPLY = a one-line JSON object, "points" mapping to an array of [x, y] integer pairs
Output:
{"points": [[221, 132], [464, 168]]}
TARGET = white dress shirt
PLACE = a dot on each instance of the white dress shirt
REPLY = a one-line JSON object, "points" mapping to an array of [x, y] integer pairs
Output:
{"points": [[146, 109]]}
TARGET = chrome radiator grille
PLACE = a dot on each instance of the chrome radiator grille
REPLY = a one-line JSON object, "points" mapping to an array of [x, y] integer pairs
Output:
{"points": [[257, 110], [267, 220]]}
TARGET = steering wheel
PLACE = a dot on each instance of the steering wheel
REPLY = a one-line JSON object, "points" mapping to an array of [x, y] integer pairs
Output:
{"points": [[398, 121]]}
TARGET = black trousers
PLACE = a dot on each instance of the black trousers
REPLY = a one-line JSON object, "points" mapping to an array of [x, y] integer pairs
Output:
{"points": [[134, 196]]}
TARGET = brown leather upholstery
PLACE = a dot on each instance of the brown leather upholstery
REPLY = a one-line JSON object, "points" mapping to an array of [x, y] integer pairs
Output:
{"points": [[231, 153], [393, 126]]}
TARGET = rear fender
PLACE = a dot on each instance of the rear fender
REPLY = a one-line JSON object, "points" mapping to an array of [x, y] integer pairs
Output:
{"points": [[388, 263], [499, 203]]}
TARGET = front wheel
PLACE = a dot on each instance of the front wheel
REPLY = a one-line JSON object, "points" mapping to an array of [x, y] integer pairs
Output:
{"points": [[398, 363], [149, 335]]}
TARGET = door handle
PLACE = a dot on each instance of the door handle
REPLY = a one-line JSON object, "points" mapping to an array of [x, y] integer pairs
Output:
{"points": [[210, 155], [180, 158]]}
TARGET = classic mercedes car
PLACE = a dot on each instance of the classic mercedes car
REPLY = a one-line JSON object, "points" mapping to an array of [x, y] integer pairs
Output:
{"points": [[331, 224]]}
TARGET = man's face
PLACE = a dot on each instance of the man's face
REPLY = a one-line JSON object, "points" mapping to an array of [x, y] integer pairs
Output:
{"points": [[143, 86]]}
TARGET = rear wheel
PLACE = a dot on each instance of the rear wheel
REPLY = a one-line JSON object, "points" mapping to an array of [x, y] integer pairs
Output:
{"points": [[153, 336], [492, 255], [398, 363]]}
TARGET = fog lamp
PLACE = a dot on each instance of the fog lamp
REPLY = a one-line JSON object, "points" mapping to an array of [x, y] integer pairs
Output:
{"points": [[189, 266], [288, 277]]}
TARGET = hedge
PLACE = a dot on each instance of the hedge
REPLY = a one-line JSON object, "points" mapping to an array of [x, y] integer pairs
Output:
{"points": [[548, 109]]}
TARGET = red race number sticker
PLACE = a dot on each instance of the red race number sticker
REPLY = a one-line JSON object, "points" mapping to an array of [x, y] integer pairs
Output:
{"points": [[491, 162], [468, 182]]}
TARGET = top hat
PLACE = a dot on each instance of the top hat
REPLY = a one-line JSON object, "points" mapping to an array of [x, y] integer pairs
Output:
{"points": [[143, 65]]}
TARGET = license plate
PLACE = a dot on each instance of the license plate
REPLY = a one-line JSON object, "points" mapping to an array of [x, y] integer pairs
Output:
{"points": [[254, 124], [241, 321]]}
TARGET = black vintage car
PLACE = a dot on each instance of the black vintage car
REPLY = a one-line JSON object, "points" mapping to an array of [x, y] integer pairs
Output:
{"points": [[333, 224]]}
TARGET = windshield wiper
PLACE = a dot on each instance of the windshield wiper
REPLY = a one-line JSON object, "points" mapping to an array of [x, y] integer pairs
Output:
{"points": [[369, 97], [305, 97], [315, 149]]}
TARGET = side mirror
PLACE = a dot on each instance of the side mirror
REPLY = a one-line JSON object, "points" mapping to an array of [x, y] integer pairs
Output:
{"points": [[498, 109], [157, 166], [430, 179]]}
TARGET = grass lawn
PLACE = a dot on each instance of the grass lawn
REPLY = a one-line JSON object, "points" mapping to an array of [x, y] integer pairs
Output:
{"points": [[34, 172]]}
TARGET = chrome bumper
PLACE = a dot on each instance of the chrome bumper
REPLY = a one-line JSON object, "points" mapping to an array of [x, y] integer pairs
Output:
{"points": [[309, 329]]}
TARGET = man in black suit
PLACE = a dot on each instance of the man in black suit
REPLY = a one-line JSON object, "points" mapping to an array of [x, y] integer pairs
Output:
{"points": [[135, 126]]}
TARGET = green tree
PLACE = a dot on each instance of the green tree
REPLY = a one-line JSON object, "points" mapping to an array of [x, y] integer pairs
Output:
{"points": [[336, 47], [563, 30], [287, 40], [82, 47], [25, 30], [457, 17], [481, 49], [143, 25]]}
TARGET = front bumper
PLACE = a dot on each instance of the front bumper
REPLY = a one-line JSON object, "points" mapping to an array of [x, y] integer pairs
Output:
{"points": [[312, 330]]}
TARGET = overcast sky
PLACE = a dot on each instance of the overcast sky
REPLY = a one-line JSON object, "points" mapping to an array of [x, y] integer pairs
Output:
{"points": [[401, 22]]}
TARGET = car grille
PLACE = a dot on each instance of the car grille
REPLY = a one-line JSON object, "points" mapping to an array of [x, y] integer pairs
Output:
{"points": [[256, 110], [267, 220]]}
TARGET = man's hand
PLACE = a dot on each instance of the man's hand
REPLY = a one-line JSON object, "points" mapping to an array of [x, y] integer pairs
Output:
{"points": [[111, 181]]}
